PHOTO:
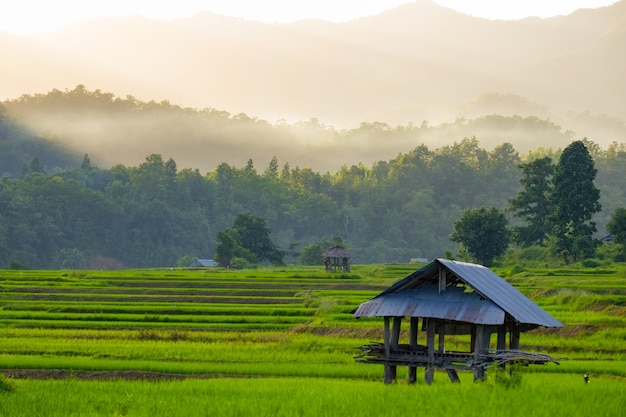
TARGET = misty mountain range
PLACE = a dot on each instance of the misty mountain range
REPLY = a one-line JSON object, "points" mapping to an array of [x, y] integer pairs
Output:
{"points": [[418, 62]]}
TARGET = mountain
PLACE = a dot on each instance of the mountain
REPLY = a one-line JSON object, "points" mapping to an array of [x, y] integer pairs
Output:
{"points": [[418, 62]]}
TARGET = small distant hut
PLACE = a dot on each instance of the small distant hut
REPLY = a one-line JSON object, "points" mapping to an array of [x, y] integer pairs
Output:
{"points": [[337, 259], [452, 298], [203, 263]]}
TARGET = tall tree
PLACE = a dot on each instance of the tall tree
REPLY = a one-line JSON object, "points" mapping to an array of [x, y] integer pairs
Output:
{"points": [[576, 200], [483, 233], [227, 248], [249, 238], [533, 204]]}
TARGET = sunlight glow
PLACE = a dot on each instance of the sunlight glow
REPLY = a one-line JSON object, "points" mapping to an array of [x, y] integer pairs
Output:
{"points": [[28, 16]]}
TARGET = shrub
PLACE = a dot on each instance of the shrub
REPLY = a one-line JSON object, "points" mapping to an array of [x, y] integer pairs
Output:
{"points": [[506, 378], [591, 263], [515, 269], [15, 265], [6, 385], [241, 263]]}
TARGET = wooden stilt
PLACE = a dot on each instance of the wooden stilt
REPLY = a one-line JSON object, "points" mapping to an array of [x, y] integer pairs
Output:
{"points": [[442, 335], [513, 342], [394, 342], [430, 343], [479, 342], [395, 333], [515, 333], [429, 375], [387, 347], [413, 347], [501, 344], [453, 376]]}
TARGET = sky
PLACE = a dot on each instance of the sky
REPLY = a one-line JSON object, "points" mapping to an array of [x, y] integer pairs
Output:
{"points": [[29, 16]]}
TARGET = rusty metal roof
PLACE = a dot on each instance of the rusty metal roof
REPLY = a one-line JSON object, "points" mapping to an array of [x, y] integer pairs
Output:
{"points": [[418, 295], [453, 304]]}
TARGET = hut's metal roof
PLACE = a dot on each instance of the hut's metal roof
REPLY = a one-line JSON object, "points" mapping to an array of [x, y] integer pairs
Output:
{"points": [[428, 302], [337, 252], [418, 295]]}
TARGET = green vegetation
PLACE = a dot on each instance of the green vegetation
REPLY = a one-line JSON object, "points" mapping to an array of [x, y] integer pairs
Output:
{"points": [[541, 395], [246, 244], [285, 337], [483, 233], [58, 213], [617, 226], [576, 200]]}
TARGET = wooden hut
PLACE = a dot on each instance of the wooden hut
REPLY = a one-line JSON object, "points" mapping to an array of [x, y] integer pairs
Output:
{"points": [[449, 298], [337, 259]]}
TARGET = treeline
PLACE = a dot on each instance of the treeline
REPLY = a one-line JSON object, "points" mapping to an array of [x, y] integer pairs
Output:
{"points": [[154, 214]]}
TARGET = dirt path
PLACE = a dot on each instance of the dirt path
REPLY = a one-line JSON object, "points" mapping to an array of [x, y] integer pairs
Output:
{"points": [[42, 374]]}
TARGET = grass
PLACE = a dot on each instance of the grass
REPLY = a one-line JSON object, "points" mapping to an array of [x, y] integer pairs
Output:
{"points": [[543, 395], [289, 337]]}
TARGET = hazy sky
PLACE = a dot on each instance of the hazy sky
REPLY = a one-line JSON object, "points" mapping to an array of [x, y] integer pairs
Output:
{"points": [[24, 16]]}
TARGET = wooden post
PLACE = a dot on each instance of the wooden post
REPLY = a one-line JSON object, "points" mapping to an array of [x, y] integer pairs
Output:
{"points": [[501, 338], [479, 343], [395, 340], [454, 377], [395, 333], [413, 347], [442, 335], [501, 343], [430, 343], [387, 346], [515, 334]]}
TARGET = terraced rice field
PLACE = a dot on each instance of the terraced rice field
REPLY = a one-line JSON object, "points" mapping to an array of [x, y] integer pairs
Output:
{"points": [[262, 328]]}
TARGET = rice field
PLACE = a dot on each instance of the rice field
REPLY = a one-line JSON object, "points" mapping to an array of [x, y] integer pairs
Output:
{"points": [[278, 341]]}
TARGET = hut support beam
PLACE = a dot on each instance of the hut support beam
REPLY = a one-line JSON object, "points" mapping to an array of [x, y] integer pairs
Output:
{"points": [[454, 377], [413, 347], [391, 341], [514, 338], [387, 346], [481, 347], [501, 345], [430, 342], [394, 342]]}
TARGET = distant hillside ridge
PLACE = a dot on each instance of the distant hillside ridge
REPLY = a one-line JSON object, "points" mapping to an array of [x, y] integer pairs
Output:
{"points": [[419, 61]]}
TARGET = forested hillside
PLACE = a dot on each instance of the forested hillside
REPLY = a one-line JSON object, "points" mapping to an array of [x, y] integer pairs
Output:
{"points": [[18, 146], [155, 214], [115, 130]]}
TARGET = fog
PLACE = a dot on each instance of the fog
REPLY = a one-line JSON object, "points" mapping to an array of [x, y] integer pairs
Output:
{"points": [[419, 62]]}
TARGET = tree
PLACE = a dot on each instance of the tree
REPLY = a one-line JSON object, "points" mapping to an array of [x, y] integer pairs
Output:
{"points": [[533, 204], [227, 249], [617, 227], [36, 165], [576, 200], [249, 239], [483, 233], [312, 253]]}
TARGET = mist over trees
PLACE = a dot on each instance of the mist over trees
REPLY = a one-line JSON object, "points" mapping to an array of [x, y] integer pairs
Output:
{"points": [[123, 130], [59, 207], [156, 214]]}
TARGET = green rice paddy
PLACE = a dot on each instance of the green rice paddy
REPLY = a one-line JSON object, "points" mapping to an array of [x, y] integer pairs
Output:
{"points": [[280, 341]]}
